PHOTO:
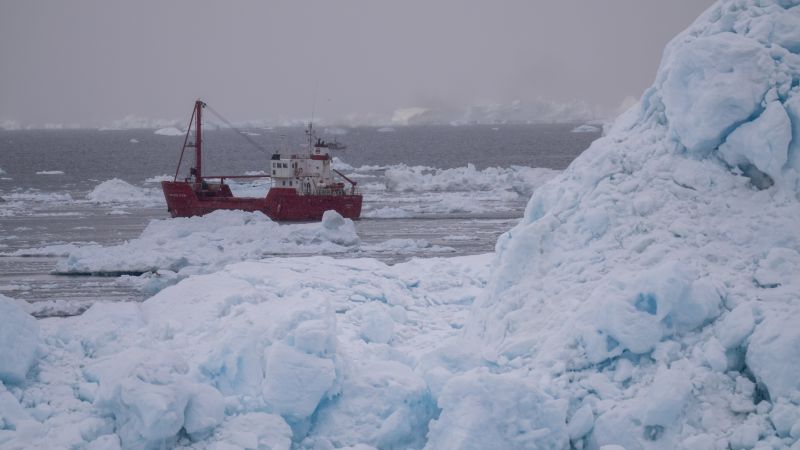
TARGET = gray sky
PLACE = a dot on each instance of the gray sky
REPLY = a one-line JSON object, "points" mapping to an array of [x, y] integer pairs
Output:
{"points": [[95, 61]]}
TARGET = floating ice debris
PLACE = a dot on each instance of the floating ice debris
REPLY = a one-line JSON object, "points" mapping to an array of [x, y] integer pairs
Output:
{"points": [[50, 172]]}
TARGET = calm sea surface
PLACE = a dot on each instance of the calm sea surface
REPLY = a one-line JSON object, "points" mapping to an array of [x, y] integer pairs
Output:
{"points": [[47, 175]]}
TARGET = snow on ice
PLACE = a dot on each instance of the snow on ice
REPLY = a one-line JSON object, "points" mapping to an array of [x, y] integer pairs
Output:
{"points": [[647, 300]]}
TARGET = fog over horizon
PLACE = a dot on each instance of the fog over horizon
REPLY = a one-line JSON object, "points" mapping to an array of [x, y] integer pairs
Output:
{"points": [[94, 62]]}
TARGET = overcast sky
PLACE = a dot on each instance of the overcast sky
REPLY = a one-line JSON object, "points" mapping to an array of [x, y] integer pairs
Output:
{"points": [[95, 61]]}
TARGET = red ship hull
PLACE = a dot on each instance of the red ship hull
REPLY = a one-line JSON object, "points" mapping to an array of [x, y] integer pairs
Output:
{"points": [[280, 204]]}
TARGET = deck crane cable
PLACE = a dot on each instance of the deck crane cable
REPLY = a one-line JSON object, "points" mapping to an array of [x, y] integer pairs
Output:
{"points": [[238, 131]]}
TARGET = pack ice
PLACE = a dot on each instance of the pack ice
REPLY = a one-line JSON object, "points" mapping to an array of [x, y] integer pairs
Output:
{"points": [[647, 300]]}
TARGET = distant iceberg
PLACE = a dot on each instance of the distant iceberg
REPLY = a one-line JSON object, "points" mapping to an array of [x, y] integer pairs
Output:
{"points": [[586, 129], [169, 131]]}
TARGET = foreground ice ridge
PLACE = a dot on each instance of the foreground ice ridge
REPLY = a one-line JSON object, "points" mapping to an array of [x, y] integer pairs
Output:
{"points": [[295, 352]]}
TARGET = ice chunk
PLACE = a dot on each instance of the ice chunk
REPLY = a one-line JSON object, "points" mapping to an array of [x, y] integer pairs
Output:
{"points": [[376, 322], [784, 416], [19, 339], [780, 267], [712, 84], [204, 411], [667, 397], [254, 430], [773, 354], [482, 410], [763, 143], [295, 382], [581, 423], [382, 403], [736, 326], [637, 314], [146, 414]]}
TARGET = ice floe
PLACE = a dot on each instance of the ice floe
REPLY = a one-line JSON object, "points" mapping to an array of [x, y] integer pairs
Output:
{"points": [[118, 191]]}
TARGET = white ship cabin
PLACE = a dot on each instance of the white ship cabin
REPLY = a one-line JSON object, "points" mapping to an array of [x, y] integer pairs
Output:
{"points": [[309, 173]]}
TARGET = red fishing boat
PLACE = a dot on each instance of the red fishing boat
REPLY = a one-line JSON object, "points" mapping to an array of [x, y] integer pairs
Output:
{"points": [[304, 185]]}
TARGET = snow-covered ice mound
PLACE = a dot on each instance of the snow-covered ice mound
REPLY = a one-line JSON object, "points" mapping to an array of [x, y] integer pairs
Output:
{"points": [[118, 191], [202, 244], [649, 297], [298, 352]]}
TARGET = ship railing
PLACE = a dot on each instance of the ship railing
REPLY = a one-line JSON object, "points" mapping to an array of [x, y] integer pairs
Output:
{"points": [[353, 190]]}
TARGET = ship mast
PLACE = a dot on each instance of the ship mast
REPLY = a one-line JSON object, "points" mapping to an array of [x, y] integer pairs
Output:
{"points": [[198, 142]]}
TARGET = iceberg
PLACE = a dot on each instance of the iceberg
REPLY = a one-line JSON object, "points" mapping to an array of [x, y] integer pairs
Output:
{"points": [[169, 131], [650, 281], [586, 129]]}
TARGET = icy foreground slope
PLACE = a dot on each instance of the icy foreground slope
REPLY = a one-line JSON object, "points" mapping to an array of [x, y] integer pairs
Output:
{"points": [[314, 352], [654, 286]]}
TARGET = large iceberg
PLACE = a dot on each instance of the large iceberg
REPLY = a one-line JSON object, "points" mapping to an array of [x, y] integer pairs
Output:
{"points": [[653, 282]]}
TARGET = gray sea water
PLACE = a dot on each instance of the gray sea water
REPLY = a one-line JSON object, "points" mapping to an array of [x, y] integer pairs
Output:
{"points": [[47, 174]]}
